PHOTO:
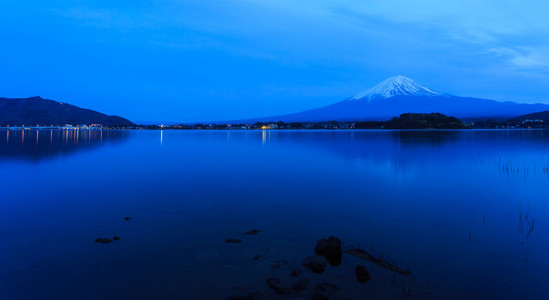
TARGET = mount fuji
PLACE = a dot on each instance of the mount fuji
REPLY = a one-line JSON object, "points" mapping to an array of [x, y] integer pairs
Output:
{"points": [[399, 94]]}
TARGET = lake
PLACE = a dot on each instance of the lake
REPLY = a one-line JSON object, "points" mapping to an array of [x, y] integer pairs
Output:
{"points": [[465, 211]]}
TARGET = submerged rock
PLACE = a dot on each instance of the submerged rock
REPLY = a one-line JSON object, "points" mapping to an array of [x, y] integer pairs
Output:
{"points": [[271, 264], [324, 290], [330, 248], [127, 218], [363, 254], [233, 241], [116, 238], [362, 274], [103, 240], [317, 264], [276, 264], [278, 287], [251, 232], [296, 272]]}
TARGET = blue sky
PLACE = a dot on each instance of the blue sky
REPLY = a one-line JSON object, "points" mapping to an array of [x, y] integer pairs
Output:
{"points": [[188, 60]]}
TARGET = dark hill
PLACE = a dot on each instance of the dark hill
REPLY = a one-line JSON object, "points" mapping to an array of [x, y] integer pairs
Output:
{"points": [[543, 115], [423, 121], [38, 111]]}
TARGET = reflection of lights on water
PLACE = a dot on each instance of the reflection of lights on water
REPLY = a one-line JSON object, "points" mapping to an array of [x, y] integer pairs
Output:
{"points": [[161, 137], [265, 135]]}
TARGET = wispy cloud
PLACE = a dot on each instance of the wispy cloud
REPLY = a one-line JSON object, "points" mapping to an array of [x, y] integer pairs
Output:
{"points": [[524, 57]]}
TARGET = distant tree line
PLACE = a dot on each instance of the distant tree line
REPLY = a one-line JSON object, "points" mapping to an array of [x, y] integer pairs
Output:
{"points": [[404, 121], [424, 121]]}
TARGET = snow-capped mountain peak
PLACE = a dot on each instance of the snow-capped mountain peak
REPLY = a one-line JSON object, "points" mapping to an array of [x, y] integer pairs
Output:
{"points": [[396, 86]]}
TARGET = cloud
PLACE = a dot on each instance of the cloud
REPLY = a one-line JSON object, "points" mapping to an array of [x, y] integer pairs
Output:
{"points": [[524, 57]]}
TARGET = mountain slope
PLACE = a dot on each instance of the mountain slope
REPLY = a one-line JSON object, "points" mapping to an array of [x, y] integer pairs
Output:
{"points": [[542, 115], [395, 86], [398, 95], [38, 111]]}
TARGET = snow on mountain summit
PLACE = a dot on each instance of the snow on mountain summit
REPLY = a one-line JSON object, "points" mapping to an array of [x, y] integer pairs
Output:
{"points": [[396, 86]]}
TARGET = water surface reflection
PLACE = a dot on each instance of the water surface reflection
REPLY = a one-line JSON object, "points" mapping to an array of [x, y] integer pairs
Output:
{"points": [[43, 143], [465, 211]]}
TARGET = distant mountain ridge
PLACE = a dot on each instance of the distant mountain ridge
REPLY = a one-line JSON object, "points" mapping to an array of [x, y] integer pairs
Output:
{"points": [[399, 94], [542, 115], [38, 111]]}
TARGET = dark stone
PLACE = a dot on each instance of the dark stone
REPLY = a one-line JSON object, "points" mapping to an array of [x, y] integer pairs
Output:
{"points": [[363, 254], [327, 287], [103, 241], [324, 290], [277, 264], [362, 274], [278, 287], [127, 218], [233, 241], [317, 264], [116, 238], [301, 285], [254, 231], [296, 272], [330, 248], [272, 282], [257, 257]]}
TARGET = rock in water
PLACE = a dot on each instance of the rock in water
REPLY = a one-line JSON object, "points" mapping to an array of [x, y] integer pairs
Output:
{"points": [[330, 248], [296, 272], [103, 240], [116, 238], [369, 257], [251, 232], [316, 264], [324, 290], [278, 287], [233, 241], [362, 274], [276, 264]]}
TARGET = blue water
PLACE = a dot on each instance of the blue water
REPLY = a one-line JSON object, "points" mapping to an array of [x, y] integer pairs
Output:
{"points": [[465, 211]]}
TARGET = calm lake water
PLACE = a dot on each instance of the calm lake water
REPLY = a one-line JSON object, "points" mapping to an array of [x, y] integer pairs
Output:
{"points": [[466, 211]]}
